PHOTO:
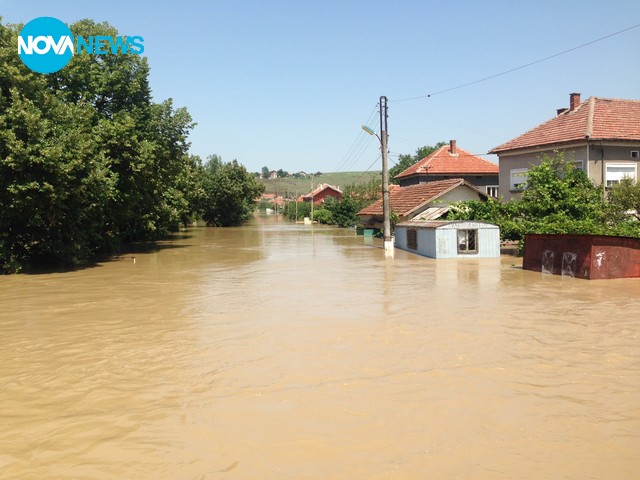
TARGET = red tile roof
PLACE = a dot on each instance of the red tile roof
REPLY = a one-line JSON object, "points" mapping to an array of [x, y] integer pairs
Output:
{"points": [[403, 200], [321, 188], [443, 162], [594, 119]]}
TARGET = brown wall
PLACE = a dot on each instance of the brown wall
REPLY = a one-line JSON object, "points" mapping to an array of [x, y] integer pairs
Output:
{"points": [[583, 256]]}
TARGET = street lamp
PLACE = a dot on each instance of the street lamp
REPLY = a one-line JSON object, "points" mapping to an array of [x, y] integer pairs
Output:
{"points": [[388, 240]]}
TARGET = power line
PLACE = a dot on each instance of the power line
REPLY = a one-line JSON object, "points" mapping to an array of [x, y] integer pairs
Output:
{"points": [[484, 79], [356, 148], [369, 168]]}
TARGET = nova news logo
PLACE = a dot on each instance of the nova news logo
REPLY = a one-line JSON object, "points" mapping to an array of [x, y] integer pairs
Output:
{"points": [[46, 45]]}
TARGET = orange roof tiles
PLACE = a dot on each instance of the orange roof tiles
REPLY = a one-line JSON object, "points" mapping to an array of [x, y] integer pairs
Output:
{"points": [[594, 119], [443, 162], [403, 200]]}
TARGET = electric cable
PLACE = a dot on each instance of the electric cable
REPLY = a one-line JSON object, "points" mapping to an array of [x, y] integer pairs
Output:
{"points": [[511, 70]]}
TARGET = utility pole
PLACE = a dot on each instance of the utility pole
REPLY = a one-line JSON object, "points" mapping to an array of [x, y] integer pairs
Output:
{"points": [[388, 239], [312, 199]]}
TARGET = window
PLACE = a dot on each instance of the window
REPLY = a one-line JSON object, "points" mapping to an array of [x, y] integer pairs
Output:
{"points": [[412, 238], [492, 190], [518, 179], [579, 164], [635, 154], [616, 172], [467, 241]]}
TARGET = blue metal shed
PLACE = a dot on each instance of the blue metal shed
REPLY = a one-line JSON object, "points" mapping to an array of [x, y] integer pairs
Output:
{"points": [[449, 239]]}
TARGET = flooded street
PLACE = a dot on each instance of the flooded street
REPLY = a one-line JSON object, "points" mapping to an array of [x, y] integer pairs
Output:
{"points": [[278, 350]]}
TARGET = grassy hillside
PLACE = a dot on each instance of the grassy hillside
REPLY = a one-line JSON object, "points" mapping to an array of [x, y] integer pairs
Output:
{"points": [[291, 186]]}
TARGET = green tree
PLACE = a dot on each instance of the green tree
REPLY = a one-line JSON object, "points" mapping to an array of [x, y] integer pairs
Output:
{"points": [[343, 211], [230, 194], [296, 210], [323, 215], [624, 200], [87, 160], [265, 172], [354, 198], [557, 188], [558, 198], [54, 184]]}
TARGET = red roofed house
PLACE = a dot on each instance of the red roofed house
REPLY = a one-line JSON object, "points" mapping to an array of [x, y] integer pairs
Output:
{"points": [[449, 161], [423, 201], [601, 135], [322, 192]]}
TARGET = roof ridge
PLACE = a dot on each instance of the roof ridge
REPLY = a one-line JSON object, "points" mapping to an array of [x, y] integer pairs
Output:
{"points": [[539, 125], [595, 118], [442, 161], [615, 99]]}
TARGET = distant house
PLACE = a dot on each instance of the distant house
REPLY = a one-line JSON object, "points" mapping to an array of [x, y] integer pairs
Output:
{"points": [[321, 193], [272, 198], [453, 239], [273, 174], [426, 201], [449, 161], [600, 135]]}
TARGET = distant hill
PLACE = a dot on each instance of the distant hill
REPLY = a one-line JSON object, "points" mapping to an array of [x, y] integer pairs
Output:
{"points": [[291, 187]]}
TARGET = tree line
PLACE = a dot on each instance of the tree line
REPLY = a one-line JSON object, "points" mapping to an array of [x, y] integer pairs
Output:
{"points": [[265, 173], [88, 161]]}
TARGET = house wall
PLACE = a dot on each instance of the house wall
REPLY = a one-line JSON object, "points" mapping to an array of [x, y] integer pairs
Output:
{"points": [[456, 195], [479, 181], [594, 161], [600, 156], [324, 194]]}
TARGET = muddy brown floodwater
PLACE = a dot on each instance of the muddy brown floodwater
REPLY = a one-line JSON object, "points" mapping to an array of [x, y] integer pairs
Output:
{"points": [[278, 350]]}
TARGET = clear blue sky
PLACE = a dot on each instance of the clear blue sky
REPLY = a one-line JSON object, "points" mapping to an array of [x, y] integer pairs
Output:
{"points": [[287, 84]]}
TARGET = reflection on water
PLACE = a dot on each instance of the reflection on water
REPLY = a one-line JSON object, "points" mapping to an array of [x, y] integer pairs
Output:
{"points": [[278, 350]]}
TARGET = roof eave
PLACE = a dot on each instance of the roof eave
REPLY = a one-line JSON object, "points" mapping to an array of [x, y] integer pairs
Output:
{"points": [[541, 146]]}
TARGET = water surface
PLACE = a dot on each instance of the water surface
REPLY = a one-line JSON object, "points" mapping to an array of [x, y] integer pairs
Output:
{"points": [[278, 350]]}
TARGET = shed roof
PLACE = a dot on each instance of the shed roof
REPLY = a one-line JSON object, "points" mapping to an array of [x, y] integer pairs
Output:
{"points": [[443, 223], [594, 119]]}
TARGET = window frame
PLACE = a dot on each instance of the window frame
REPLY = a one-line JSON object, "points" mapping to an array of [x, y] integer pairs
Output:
{"points": [[578, 164], [492, 188], [467, 242], [412, 238], [611, 182], [513, 187]]}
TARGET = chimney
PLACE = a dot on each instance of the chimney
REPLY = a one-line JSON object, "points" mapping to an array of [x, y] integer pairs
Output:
{"points": [[574, 101], [452, 147]]}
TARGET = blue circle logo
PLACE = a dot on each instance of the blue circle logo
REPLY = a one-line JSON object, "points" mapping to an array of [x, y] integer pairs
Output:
{"points": [[45, 45]]}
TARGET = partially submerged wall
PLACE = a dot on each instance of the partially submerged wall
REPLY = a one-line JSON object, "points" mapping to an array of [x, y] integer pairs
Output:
{"points": [[583, 256]]}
